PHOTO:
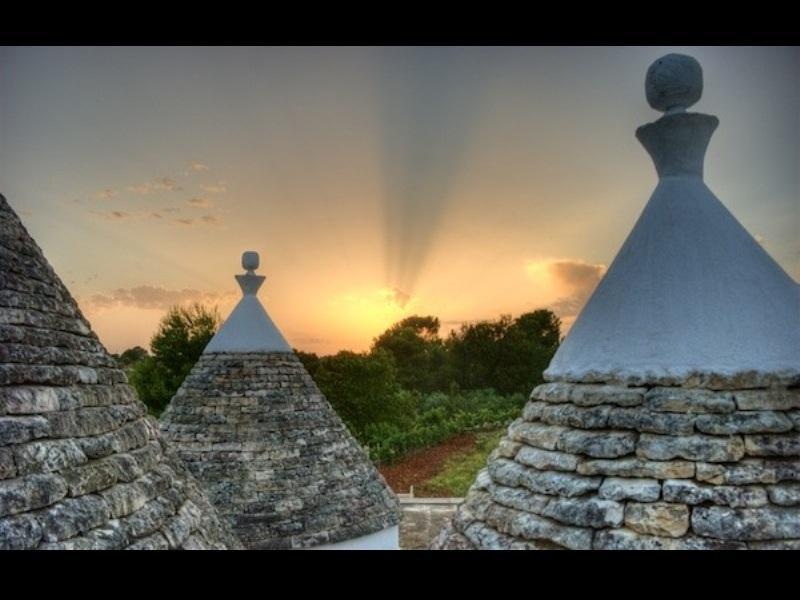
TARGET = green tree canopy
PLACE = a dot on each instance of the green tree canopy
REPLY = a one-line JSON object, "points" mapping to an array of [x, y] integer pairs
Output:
{"points": [[525, 351], [182, 335], [131, 356], [309, 359], [363, 389], [474, 352], [506, 355], [418, 352]]}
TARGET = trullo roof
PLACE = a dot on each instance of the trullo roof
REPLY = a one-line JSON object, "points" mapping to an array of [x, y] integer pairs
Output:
{"points": [[82, 466], [277, 462], [691, 295], [678, 424]]}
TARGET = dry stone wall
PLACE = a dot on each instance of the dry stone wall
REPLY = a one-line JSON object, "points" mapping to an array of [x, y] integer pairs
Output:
{"points": [[82, 466], [276, 460], [591, 466]]}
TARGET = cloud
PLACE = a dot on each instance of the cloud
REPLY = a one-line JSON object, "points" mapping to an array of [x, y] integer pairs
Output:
{"points": [[152, 297], [571, 281], [159, 184], [204, 220], [165, 183], [579, 279], [214, 189], [142, 188], [106, 194], [170, 209], [399, 297], [197, 166], [201, 202], [115, 215], [122, 215]]}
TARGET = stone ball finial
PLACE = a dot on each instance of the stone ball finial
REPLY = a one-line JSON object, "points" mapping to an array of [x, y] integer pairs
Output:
{"points": [[674, 82], [250, 260]]}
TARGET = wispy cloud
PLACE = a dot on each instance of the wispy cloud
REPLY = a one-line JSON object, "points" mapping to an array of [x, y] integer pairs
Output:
{"points": [[201, 202], [198, 166], [116, 215], [166, 183], [123, 215], [152, 297], [204, 220], [106, 194], [160, 184], [219, 188], [142, 188]]}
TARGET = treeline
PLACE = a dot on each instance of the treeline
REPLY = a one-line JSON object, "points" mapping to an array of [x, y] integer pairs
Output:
{"points": [[412, 389]]}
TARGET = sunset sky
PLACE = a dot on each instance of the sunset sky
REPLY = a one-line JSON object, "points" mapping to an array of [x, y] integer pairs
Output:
{"points": [[374, 182]]}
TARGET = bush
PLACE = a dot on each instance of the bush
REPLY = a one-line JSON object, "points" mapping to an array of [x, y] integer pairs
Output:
{"points": [[439, 417]]}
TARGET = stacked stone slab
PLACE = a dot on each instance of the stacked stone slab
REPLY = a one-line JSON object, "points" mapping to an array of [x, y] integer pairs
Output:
{"points": [[604, 467], [671, 416], [82, 466], [277, 462]]}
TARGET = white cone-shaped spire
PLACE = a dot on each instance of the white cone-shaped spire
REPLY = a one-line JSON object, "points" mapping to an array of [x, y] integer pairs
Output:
{"points": [[691, 294], [656, 435], [249, 328], [277, 461]]}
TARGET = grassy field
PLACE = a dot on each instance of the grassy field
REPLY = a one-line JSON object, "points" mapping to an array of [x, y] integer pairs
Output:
{"points": [[459, 470]]}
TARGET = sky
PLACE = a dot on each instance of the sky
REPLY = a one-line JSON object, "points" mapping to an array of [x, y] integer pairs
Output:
{"points": [[463, 182]]}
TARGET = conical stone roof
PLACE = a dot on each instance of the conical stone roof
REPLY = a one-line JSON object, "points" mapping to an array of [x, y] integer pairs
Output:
{"points": [[82, 466], [691, 295], [278, 463], [672, 416]]}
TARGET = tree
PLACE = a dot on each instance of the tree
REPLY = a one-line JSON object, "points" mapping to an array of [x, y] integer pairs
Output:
{"points": [[309, 359], [363, 389], [506, 355], [525, 351], [182, 335], [474, 352], [418, 352], [131, 356]]}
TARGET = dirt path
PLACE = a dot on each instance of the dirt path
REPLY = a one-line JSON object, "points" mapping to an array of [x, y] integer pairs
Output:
{"points": [[421, 465]]}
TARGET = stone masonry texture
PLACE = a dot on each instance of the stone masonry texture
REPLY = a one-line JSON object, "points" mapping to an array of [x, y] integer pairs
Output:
{"points": [[276, 460], [82, 466], [593, 466]]}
